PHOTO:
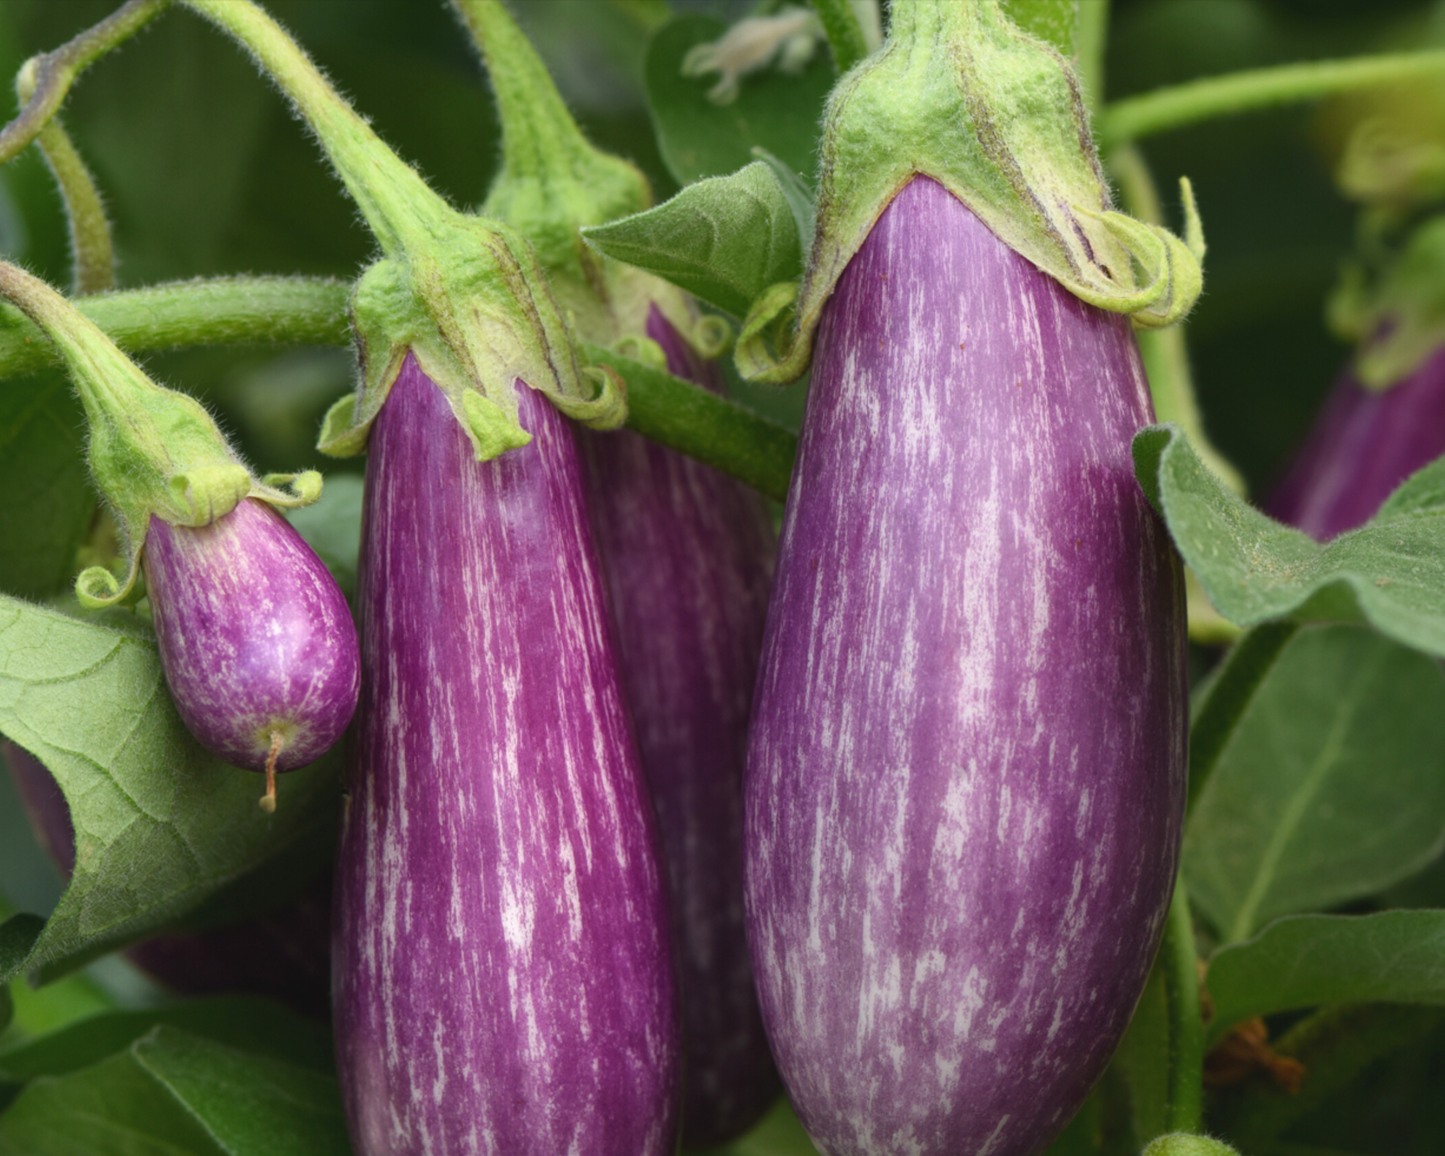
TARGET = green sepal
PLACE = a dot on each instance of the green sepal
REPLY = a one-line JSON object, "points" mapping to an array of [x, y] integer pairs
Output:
{"points": [[961, 94], [1188, 1144], [1398, 315], [152, 452], [475, 310]]}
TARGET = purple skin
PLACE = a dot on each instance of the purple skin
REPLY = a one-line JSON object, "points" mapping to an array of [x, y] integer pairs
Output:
{"points": [[965, 780], [1363, 445], [284, 954], [255, 637], [688, 555], [503, 968]]}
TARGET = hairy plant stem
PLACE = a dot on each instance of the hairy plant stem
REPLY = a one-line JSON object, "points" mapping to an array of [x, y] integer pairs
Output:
{"points": [[230, 310], [397, 204], [845, 34], [1185, 104], [1186, 1029], [92, 253], [1091, 34], [1166, 357], [54, 72]]}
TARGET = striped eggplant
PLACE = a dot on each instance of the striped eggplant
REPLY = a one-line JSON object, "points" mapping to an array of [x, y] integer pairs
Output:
{"points": [[688, 556], [965, 778], [283, 954], [256, 640], [503, 960], [1364, 443]]}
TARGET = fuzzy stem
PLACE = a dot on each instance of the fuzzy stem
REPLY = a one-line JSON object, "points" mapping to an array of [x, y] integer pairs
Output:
{"points": [[86, 351], [91, 250], [1091, 33], [844, 32], [235, 310], [1165, 355], [55, 72], [1186, 1028], [397, 204], [1184, 104]]}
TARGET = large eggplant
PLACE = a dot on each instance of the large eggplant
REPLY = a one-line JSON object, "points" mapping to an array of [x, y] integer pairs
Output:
{"points": [[503, 960], [688, 555], [1364, 443], [965, 777]]}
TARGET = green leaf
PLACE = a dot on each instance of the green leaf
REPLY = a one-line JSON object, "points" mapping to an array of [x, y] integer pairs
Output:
{"points": [[724, 239], [332, 527], [259, 1026], [252, 1105], [1050, 20], [1309, 960], [46, 501], [702, 425], [1390, 572], [114, 1108], [1144, 1057], [697, 138], [1231, 688], [160, 824], [1331, 786]]}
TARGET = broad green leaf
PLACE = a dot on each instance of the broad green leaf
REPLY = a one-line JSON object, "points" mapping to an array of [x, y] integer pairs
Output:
{"points": [[1390, 572], [258, 1026], [332, 527], [1219, 706], [1309, 960], [1331, 786], [160, 824], [697, 138], [46, 501], [724, 239], [704, 426], [252, 1105], [1049, 20], [114, 1108]]}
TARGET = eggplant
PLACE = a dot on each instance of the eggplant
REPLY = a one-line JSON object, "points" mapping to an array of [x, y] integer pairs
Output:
{"points": [[256, 640], [688, 557], [283, 954], [1364, 443], [504, 977], [965, 781]]}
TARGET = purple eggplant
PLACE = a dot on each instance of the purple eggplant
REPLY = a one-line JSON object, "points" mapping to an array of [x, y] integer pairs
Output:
{"points": [[256, 641], [1364, 444], [284, 954], [504, 976], [965, 780], [688, 555]]}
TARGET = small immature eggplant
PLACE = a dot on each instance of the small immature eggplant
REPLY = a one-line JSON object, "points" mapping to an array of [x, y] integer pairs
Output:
{"points": [[966, 765], [1363, 445], [688, 555], [256, 641], [503, 953]]}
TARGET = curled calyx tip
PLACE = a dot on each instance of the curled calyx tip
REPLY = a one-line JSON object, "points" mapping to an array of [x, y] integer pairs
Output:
{"points": [[960, 94]]}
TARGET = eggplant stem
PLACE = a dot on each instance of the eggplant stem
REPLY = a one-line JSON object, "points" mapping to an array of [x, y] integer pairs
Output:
{"points": [[268, 800]]}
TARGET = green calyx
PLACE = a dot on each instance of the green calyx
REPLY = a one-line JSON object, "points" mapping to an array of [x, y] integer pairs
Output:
{"points": [[553, 184], [1396, 315], [477, 313], [464, 293], [960, 94], [152, 451]]}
